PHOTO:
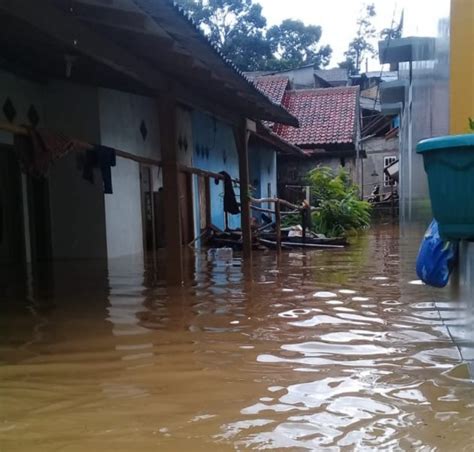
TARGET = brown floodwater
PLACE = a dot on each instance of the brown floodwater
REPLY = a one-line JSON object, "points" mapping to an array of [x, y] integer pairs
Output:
{"points": [[322, 350]]}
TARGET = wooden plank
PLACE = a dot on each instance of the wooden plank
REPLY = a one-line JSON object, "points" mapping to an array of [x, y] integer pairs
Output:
{"points": [[19, 130], [278, 225], [208, 201], [241, 138], [171, 191]]}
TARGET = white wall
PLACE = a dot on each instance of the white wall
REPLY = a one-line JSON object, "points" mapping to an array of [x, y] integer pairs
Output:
{"points": [[121, 115]]}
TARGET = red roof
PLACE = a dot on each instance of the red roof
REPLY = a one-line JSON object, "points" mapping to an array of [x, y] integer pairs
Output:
{"points": [[273, 87], [326, 116]]}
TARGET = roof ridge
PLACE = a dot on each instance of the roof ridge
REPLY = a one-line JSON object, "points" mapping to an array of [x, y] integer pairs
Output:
{"points": [[325, 90], [274, 76]]}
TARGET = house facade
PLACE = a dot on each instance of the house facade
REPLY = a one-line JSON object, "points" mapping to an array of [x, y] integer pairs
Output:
{"points": [[328, 133], [118, 86]]}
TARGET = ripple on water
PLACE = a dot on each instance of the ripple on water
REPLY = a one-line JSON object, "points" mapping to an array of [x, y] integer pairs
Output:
{"points": [[323, 294], [320, 350]]}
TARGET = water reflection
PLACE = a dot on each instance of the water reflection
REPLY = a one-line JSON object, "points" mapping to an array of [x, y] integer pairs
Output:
{"points": [[326, 350]]}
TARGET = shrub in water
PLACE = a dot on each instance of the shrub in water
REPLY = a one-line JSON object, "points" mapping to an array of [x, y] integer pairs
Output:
{"points": [[340, 210]]}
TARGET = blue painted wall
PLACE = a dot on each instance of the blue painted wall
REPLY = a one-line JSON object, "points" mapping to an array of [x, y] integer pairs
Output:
{"points": [[262, 171], [214, 150]]}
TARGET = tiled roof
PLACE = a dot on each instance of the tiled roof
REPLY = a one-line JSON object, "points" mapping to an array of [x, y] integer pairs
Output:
{"points": [[273, 87], [326, 116]]}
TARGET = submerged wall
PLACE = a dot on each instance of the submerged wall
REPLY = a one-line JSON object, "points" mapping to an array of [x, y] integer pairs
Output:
{"points": [[76, 207], [262, 172], [123, 119], [214, 149], [85, 223]]}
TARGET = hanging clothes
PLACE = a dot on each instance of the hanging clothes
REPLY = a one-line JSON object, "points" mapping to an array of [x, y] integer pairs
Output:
{"points": [[101, 157], [38, 150], [230, 202]]}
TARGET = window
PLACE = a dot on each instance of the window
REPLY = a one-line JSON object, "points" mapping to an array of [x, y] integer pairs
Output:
{"points": [[387, 161]]}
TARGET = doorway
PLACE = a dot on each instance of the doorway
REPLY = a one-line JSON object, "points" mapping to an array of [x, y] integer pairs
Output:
{"points": [[11, 203]]}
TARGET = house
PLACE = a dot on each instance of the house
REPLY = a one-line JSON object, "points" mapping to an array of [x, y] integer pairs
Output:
{"points": [[329, 131], [137, 86], [380, 143]]}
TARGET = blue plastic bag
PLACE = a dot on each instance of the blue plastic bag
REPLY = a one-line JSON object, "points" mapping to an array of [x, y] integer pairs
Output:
{"points": [[436, 258]]}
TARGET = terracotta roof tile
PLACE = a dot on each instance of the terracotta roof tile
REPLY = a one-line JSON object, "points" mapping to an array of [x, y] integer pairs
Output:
{"points": [[326, 116], [273, 87]]}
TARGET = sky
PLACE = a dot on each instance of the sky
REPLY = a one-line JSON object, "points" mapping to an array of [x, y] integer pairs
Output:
{"points": [[338, 18]]}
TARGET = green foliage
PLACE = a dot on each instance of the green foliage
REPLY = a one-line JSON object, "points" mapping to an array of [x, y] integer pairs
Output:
{"points": [[471, 124], [339, 217], [340, 210], [361, 46], [239, 30], [290, 220], [294, 44]]}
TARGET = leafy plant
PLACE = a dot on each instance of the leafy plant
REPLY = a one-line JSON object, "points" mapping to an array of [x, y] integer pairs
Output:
{"points": [[337, 217], [471, 124], [340, 210]]}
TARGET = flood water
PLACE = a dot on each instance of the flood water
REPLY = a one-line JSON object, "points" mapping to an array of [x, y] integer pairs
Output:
{"points": [[324, 350]]}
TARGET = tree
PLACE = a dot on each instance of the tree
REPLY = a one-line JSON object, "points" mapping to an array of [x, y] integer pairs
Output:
{"points": [[393, 32], [238, 28], [361, 47], [294, 44]]}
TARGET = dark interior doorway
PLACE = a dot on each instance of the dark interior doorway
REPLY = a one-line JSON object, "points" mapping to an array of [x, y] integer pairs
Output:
{"points": [[11, 216]]}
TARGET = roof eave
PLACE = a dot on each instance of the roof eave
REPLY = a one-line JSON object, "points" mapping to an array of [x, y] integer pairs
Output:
{"points": [[271, 111], [266, 134]]}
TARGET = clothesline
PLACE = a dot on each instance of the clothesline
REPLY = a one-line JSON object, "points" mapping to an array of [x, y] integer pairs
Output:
{"points": [[18, 130]]}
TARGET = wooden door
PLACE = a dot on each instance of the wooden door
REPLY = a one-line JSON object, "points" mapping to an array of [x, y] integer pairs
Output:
{"points": [[148, 209], [204, 202]]}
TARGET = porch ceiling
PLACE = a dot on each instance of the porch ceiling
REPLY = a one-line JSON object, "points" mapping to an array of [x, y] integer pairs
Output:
{"points": [[132, 45]]}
